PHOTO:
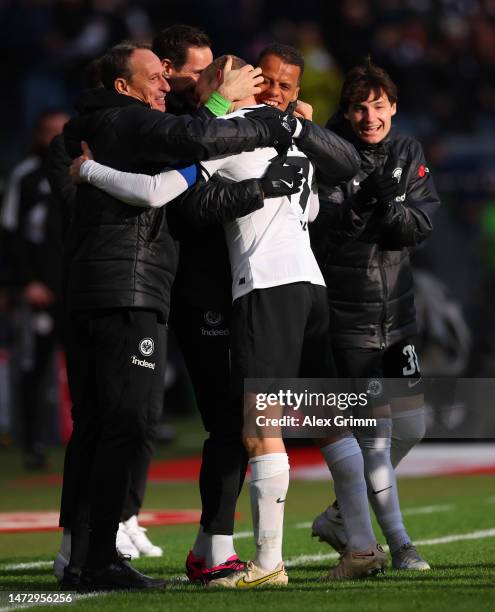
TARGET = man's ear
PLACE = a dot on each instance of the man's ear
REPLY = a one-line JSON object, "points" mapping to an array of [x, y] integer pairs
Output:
{"points": [[121, 86], [168, 68], [296, 94], [394, 108], [219, 76]]}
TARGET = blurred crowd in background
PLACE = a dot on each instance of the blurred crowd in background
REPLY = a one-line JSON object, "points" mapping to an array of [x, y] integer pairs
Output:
{"points": [[441, 53]]}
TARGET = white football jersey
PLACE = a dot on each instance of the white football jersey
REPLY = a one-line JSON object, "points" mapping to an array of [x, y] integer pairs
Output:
{"points": [[270, 246]]}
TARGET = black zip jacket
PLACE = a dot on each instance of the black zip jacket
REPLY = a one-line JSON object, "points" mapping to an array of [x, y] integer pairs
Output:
{"points": [[122, 256], [363, 248]]}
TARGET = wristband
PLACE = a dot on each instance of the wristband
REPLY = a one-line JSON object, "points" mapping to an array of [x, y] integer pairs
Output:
{"points": [[190, 173], [217, 104], [298, 130]]}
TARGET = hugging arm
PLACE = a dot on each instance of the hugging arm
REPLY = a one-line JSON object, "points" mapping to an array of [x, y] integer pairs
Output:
{"points": [[139, 189], [336, 159]]}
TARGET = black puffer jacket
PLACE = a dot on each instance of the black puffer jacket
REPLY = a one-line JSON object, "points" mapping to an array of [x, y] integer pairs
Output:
{"points": [[364, 250], [123, 256]]}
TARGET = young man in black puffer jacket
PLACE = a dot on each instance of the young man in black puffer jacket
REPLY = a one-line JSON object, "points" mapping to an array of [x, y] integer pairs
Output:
{"points": [[363, 237]]}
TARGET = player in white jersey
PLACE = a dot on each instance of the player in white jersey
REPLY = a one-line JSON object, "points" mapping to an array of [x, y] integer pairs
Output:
{"points": [[279, 311], [280, 315], [283, 221], [279, 324]]}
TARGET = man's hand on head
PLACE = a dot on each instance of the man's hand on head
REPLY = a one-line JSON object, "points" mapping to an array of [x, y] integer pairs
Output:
{"points": [[75, 167], [241, 83]]}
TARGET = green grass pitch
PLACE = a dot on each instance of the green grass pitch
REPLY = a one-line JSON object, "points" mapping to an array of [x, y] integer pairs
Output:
{"points": [[463, 575]]}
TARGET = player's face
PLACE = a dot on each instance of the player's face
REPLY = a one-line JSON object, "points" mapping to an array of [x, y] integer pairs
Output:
{"points": [[183, 81], [147, 82], [281, 83], [371, 120]]}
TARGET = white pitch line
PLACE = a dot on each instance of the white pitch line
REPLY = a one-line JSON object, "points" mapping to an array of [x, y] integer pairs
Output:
{"points": [[405, 512], [178, 579], [29, 565], [473, 535], [305, 559], [243, 534], [428, 509], [248, 534]]}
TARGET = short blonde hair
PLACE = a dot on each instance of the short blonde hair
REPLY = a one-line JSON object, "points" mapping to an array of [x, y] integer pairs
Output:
{"points": [[210, 71]]}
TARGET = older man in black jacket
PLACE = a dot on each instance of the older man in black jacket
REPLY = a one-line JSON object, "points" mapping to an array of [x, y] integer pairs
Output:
{"points": [[364, 235], [121, 263]]}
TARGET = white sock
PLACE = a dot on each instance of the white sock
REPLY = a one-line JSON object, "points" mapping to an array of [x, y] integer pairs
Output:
{"points": [[408, 428], [221, 548], [268, 489], [202, 544], [382, 484], [345, 462]]}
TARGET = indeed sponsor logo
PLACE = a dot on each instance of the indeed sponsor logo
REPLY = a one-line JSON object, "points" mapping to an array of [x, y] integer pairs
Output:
{"points": [[142, 362], [214, 332]]}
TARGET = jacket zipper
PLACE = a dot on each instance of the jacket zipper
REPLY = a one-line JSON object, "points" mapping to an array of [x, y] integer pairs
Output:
{"points": [[384, 303]]}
